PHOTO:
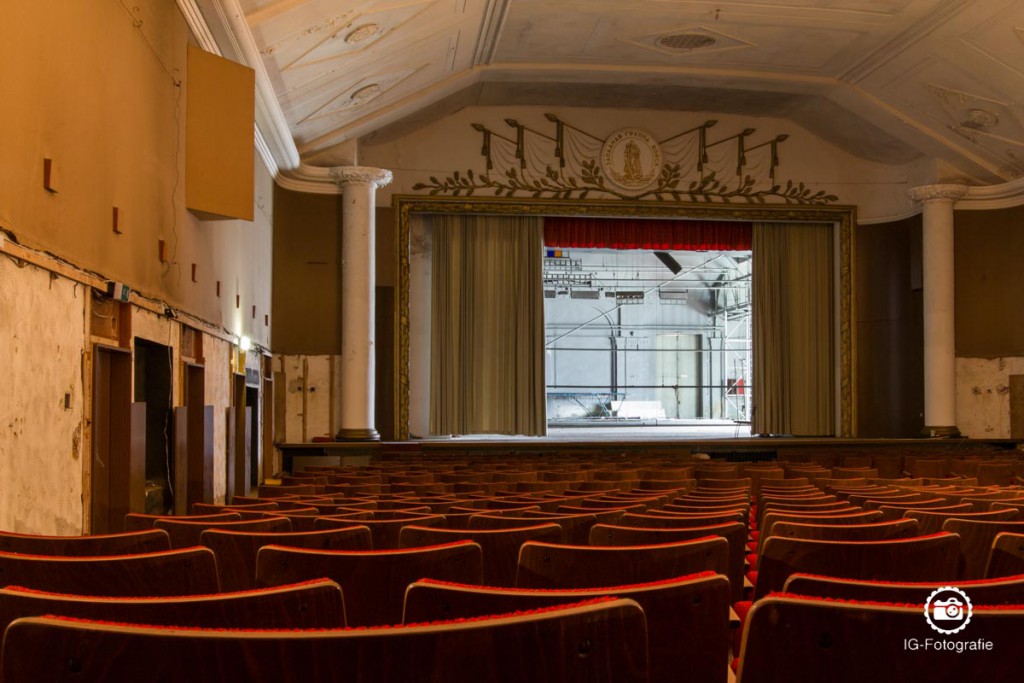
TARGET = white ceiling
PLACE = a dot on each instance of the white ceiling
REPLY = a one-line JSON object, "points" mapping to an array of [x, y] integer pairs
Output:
{"points": [[889, 80]]}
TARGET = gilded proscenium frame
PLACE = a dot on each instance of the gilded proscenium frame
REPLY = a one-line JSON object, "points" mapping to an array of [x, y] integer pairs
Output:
{"points": [[843, 216]]}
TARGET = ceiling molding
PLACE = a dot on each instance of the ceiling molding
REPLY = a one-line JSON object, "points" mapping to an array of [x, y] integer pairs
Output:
{"points": [[490, 33], [308, 179], [1003, 196], [904, 40]]}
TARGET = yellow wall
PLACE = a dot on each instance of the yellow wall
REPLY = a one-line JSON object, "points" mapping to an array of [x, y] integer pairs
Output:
{"points": [[106, 100]]}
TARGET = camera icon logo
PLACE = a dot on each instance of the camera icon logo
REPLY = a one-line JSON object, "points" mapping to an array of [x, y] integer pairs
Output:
{"points": [[948, 610]]}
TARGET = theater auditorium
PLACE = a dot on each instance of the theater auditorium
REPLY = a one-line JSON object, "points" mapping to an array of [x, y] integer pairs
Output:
{"points": [[511, 340]]}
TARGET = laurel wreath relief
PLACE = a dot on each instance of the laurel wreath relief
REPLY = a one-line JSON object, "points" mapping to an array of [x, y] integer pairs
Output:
{"points": [[559, 183]]}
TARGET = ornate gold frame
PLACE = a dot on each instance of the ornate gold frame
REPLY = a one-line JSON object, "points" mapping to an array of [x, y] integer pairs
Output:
{"points": [[842, 215]]}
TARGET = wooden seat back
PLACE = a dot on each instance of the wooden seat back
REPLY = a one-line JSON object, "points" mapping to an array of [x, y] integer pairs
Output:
{"points": [[931, 521], [131, 543], [687, 617], [500, 547], [602, 641], [384, 532], [734, 533], [1006, 557], [923, 558], [575, 528], [135, 521], [549, 565], [191, 571], [878, 531], [976, 538], [185, 533], [373, 582], [1000, 591], [864, 641], [236, 550], [315, 604]]}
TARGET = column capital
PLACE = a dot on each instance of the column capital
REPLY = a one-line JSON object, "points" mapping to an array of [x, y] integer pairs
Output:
{"points": [[349, 175], [942, 191]]}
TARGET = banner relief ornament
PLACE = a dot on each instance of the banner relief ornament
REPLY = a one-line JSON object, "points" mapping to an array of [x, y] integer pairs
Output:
{"points": [[629, 164]]}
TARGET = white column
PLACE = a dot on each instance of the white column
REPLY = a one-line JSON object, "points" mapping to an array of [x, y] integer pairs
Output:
{"points": [[939, 329], [359, 186]]}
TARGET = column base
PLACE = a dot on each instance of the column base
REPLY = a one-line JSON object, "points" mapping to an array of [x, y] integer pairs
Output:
{"points": [[941, 432], [345, 434]]}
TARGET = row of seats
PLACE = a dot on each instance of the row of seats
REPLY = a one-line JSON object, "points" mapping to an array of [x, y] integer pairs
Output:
{"points": [[714, 552]]}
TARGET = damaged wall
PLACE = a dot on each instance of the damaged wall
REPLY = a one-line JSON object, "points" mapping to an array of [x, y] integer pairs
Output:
{"points": [[41, 439]]}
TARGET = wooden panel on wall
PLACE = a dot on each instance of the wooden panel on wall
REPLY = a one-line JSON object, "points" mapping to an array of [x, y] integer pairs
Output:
{"points": [[230, 457], [219, 137], [384, 394], [1017, 406], [137, 459], [200, 437], [239, 469], [112, 467], [989, 250], [307, 280], [181, 460], [890, 362]]}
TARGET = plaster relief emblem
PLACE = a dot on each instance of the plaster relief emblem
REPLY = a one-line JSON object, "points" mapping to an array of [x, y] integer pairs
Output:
{"points": [[631, 158]]}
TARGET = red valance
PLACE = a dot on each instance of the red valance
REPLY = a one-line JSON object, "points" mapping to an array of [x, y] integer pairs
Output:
{"points": [[645, 233]]}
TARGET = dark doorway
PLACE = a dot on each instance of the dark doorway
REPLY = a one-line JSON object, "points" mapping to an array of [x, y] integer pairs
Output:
{"points": [[252, 434], [153, 364], [117, 443]]}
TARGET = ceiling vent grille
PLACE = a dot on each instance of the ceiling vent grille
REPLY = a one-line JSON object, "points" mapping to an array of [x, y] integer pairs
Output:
{"points": [[685, 42]]}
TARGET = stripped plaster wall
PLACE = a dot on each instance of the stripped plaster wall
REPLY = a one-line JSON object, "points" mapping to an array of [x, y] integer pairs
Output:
{"points": [[41, 440], [101, 89], [983, 395]]}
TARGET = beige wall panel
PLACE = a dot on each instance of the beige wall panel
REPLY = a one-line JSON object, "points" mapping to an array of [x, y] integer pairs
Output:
{"points": [[318, 396], [41, 445], [217, 355], [292, 393], [218, 136], [983, 395]]}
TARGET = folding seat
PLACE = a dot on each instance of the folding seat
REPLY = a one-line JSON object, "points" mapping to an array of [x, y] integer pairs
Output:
{"points": [[236, 551], [687, 616], [304, 480], [976, 538], [132, 542], [714, 484], [384, 528], [1006, 557], [923, 558], [931, 521], [549, 565], [599, 641], [185, 533], [996, 500], [679, 520], [373, 582], [500, 547], [279, 491], [876, 531], [734, 533], [1007, 590], [135, 521], [191, 571], [891, 512], [212, 509], [995, 473], [854, 473], [789, 639], [313, 604], [575, 528]]}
